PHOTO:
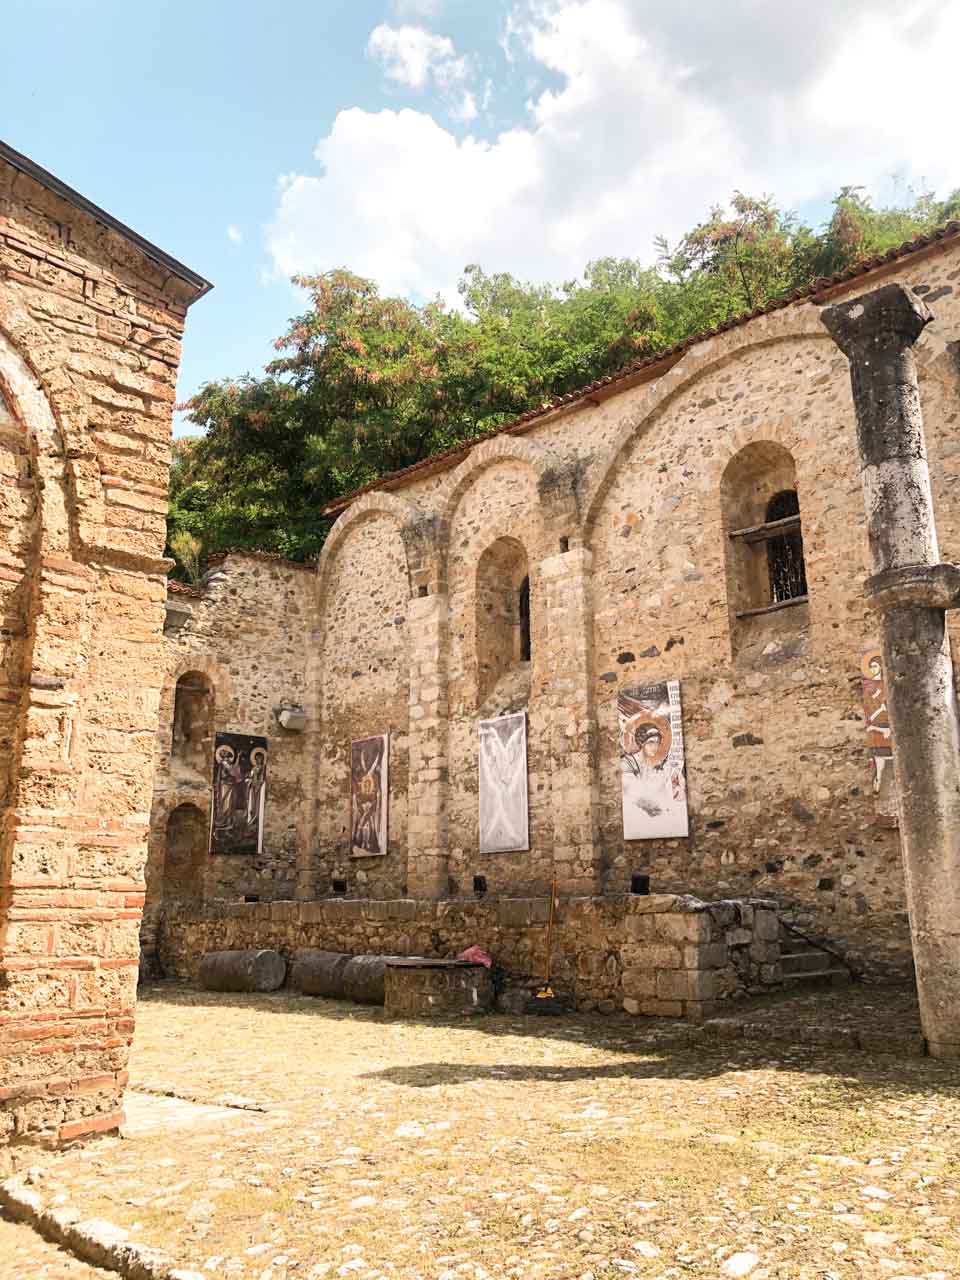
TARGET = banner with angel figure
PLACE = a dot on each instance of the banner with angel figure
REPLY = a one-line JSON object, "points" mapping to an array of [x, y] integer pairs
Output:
{"points": [[239, 793], [504, 818], [654, 788], [369, 792]]}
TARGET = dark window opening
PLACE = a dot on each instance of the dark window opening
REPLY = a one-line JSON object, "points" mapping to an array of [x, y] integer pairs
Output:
{"points": [[788, 574], [639, 884], [479, 885], [339, 887], [525, 620]]}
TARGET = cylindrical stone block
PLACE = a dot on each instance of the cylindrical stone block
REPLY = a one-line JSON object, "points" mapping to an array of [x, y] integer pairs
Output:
{"points": [[363, 979], [242, 970], [319, 973]]}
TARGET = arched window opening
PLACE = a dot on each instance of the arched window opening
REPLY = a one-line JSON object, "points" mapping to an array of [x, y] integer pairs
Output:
{"points": [[788, 574], [192, 720], [185, 854], [503, 614], [765, 565]]}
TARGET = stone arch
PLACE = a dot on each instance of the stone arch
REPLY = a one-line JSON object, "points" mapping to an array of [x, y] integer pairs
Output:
{"points": [[369, 506], [505, 448], [790, 324], [502, 633], [220, 707], [54, 413], [758, 474], [37, 529]]}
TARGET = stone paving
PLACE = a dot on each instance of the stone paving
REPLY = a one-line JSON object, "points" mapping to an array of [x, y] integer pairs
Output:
{"points": [[322, 1140]]}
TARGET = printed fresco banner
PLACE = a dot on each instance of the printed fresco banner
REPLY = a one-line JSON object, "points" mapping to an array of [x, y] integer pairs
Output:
{"points": [[879, 739], [239, 793], [369, 790], [653, 784], [504, 817]]}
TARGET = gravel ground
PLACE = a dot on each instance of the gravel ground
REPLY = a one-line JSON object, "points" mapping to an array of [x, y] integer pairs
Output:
{"points": [[24, 1256], [336, 1142]]}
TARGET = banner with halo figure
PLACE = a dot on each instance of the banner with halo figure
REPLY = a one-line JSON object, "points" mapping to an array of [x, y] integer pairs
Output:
{"points": [[239, 793], [654, 788]]}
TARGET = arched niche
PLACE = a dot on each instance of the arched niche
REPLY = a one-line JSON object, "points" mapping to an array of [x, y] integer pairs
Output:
{"points": [[502, 614], [193, 715], [185, 855]]}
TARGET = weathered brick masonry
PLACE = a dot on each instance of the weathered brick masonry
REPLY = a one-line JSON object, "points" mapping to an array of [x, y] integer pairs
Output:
{"points": [[90, 323], [617, 506]]}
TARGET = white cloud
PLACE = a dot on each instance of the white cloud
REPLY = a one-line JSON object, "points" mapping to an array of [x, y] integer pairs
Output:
{"points": [[414, 57], [234, 234], [657, 112]]}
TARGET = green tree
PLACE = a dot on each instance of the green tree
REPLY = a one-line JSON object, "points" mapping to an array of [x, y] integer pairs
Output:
{"points": [[364, 384]]}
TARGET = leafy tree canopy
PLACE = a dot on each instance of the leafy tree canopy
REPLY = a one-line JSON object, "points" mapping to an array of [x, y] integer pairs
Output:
{"points": [[363, 385]]}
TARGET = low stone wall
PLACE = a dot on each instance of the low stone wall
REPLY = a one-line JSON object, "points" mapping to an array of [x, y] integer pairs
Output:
{"points": [[665, 955]]}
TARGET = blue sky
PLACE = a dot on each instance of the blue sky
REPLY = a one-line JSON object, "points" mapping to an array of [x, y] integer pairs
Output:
{"points": [[406, 138]]}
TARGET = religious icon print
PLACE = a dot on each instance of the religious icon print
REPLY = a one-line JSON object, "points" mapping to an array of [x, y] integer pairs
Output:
{"points": [[504, 816], [653, 783], [369, 763], [239, 793], [879, 736]]}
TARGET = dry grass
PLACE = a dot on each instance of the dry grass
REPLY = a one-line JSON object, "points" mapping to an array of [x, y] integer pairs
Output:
{"points": [[509, 1148]]}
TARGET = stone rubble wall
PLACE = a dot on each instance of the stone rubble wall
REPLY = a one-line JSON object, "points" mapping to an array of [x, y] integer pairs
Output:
{"points": [[249, 632], [662, 955], [618, 509], [90, 333]]}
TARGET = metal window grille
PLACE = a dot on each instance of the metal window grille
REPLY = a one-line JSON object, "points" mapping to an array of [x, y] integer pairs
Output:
{"points": [[788, 574]]}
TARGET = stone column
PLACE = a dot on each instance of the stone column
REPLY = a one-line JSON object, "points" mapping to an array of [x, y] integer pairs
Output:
{"points": [[428, 750], [565, 580], [910, 589]]}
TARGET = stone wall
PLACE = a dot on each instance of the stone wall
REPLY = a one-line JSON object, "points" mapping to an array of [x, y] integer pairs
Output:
{"points": [[245, 640], [621, 509], [663, 955], [617, 510], [90, 327]]}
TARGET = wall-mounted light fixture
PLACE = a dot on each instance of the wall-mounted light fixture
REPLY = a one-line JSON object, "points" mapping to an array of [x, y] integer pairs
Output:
{"points": [[291, 717]]}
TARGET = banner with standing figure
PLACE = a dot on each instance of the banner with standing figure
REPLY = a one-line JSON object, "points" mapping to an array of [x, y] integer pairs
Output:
{"points": [[239, 793], [369, 790]]}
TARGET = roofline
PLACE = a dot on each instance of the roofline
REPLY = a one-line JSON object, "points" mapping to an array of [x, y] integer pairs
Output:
{"points": [[652, 366], [53, 183]]}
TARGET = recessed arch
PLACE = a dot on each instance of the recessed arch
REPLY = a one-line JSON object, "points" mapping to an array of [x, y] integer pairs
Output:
{"points": [[369, 506], [792, 324]]}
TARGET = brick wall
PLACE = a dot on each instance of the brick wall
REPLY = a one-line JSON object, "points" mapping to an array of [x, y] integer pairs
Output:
{"points": [[90, 333]]}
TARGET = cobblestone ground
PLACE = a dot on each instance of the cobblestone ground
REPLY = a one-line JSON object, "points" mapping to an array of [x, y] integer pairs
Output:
{"points": [[514, 1148]]}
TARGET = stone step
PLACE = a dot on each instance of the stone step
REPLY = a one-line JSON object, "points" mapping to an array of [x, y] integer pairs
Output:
{"points": [[812, 980], [806, 961]]}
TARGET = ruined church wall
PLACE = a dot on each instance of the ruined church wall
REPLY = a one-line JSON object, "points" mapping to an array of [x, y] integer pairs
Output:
{"points": [[363, 681], [89, 346], [248, 636]]}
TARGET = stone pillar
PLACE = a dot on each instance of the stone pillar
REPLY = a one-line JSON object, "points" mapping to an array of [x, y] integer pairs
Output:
{"points": [[568, 694], [428, 749], [910, 589]]}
